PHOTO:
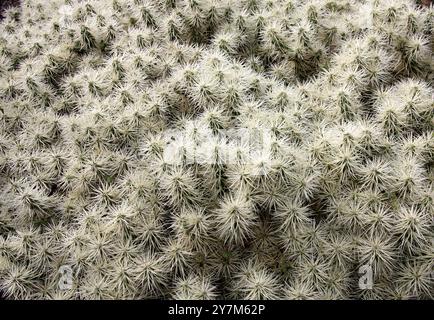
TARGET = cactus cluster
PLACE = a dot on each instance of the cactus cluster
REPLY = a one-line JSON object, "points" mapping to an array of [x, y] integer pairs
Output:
{"points": [[341, 89]]}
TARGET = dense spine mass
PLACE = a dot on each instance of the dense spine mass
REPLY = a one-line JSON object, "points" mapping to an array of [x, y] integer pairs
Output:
{"points": [[94, 203]]}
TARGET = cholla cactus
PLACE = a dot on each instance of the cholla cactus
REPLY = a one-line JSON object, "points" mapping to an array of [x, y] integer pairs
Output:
{"points": [[204, 149]]}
